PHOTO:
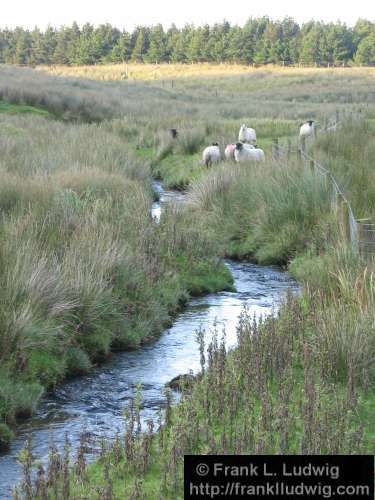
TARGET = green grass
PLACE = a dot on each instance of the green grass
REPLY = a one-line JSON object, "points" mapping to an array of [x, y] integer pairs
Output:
{"points": [[77, 276], [177, 170], [205, 278], [7, 107], [179, 162]]}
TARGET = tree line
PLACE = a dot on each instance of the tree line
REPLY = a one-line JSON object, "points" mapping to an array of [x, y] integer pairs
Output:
{"points": [[259, 41]]}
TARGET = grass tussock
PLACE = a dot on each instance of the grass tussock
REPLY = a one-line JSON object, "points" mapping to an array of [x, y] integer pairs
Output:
{"points": [[268, 212]]}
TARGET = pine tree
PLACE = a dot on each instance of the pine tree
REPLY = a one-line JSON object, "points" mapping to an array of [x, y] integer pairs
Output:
{"points": [[311, 43], [197, 42], [290, 38], [235, 43], [121, 52], [172, 36], [105, 38], [140, 46], [63, 40], [87, 47], [260, 40], [254, 48], [366, 50], [157, 45], [23, 42], [182, 42], [73, 36], [49, 41]]}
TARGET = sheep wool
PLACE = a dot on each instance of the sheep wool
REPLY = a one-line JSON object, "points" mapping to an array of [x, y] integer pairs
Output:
{"points": [[229, 151], [245, 153], [247, 134], [211, 154], [306, 129]]}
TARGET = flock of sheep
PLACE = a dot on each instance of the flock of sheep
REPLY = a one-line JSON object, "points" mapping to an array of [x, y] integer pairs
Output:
{"points": [[246, 149]]}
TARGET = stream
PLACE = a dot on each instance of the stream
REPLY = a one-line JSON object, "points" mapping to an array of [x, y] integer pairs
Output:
{"points": [[94, 403]]}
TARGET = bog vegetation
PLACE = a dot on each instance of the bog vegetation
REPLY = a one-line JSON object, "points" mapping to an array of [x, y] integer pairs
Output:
{"points": [[85, 269]]}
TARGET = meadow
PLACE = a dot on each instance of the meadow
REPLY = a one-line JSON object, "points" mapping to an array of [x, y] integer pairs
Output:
{"points": [[75, 210]]}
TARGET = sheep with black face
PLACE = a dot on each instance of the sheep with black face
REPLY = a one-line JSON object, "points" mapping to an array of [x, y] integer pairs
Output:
{"points": [[246, 152], [307, 129]]}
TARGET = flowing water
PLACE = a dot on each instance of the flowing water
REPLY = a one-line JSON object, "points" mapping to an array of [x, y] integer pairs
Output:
{"points": [[94, 403]]}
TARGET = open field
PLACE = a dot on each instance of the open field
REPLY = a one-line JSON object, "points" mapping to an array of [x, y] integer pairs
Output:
{"points": [[133, 71], [77, 194]]}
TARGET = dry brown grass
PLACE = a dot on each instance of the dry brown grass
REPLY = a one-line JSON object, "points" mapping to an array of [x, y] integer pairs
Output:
{"points": [[135, 71]]}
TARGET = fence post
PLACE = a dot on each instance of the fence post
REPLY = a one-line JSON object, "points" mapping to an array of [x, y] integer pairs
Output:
{"points": [[289, 148], [299, 153], [335, 201], [345, 218], [312, 165]]}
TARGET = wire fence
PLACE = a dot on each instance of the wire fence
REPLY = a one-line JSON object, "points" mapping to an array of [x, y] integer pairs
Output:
{"points": [[359, 232]]}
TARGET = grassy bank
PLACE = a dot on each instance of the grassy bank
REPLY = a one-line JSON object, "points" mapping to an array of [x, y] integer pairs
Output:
{"points": [[83, 268]]}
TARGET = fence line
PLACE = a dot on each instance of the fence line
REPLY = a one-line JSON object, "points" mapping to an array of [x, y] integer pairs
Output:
{"points": [[360, 232]]}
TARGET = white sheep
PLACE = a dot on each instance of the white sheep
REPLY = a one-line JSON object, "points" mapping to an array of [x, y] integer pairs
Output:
{"points": [[247, 134], [229, 152], [244, 152], [211, 154], [306, 129]]}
